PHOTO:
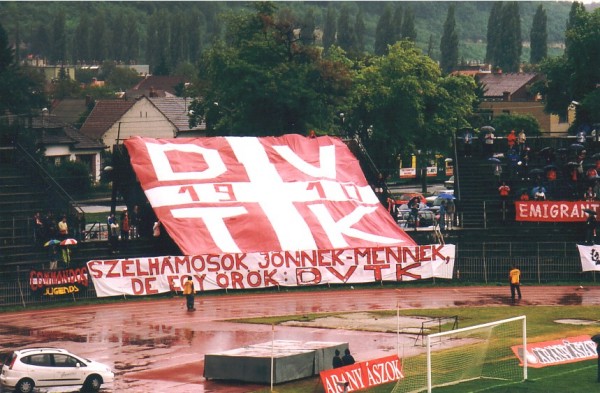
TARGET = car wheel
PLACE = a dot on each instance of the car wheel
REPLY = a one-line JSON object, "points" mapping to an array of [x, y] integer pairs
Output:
{"points": [[25, 386], [92, 383]]}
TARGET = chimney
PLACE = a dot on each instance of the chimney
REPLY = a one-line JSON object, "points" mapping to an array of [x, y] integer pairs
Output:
{"points": [[506, 96]]}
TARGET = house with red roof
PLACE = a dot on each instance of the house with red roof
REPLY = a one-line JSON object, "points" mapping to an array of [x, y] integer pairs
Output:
{"points": [[113, 121], [510, 93], [156, 86]]}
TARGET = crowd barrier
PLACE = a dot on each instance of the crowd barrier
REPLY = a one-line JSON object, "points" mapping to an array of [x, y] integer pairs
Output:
{"points": [[484, 263]]}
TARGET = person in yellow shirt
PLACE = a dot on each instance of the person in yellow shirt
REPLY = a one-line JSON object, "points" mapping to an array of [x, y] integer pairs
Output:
{"points": [[515, 282], [188, 291]]}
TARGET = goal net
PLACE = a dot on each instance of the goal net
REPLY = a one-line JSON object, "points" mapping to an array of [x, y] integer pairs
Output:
{"points": [[479, 356]]}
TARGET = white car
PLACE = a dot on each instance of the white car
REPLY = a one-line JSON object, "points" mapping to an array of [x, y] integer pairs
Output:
{"points": [[30, 368]]}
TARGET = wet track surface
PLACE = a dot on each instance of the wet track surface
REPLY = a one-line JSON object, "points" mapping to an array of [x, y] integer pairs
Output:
{"points": [[157, 346]]}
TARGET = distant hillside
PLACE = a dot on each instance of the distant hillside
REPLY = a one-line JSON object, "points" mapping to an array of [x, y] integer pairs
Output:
{"points": [[29, 19]]}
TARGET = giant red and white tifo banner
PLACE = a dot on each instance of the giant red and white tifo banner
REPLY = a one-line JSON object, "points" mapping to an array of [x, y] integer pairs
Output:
{"points": [[590, 257], [245, 194], [154, 275], [553, 211]]}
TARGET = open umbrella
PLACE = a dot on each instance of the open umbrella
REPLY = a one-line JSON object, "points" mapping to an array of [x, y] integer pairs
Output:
{"points": [[590, 212], [536, 171], [596, 338], [445, 195], [562, 150], [51, 242], [596, 156], [576, 146], [68, 242], [550, 166], [572, 163], [494, 160], [546, 150], [487, 129]]}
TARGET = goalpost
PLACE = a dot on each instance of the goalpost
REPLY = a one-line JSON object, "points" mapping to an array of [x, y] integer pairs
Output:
{"points": [[481, 354]]}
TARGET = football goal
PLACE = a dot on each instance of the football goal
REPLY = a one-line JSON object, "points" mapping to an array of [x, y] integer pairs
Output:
{"points": [[479, 356]]}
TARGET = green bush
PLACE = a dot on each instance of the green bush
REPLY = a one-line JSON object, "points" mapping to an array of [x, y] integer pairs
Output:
{"points": [[73, 176]]}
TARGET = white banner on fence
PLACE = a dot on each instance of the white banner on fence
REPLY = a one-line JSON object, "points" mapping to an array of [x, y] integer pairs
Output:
{"points": [[590, 257], [154, 275]]}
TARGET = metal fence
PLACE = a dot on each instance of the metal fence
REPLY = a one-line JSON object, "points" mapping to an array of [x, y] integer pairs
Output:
{"points": [[484, 263], [539, 262]]}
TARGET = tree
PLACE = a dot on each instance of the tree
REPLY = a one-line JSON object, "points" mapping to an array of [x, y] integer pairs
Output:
{"points": [[132, 44], [409, 31], [360, 30], [307, 29], [396, 23], [538, 37], [504, 123], [430, 46], [577, 16], [81, 40], [59, 39], [384, 33], [158, 43], [494, 30], [99, 38], [22, 88], [117, 47], [122, 78], [556, 87], [260, 82], [329, 29], [196, 30], [6, 52], [449, 43], [509, 59], [401, 103], [345, 37]]}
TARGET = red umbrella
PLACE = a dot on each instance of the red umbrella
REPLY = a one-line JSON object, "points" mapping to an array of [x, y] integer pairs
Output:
{"points": [[68, 242]]}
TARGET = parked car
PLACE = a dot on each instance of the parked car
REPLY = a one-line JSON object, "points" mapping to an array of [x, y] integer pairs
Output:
{"points": [[403, 199], [449, 183], [30, 368], [96, 231], [437, 193]]}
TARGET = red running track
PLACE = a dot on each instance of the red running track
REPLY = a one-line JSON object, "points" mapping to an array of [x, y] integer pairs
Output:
{"points": [[158, 346]]}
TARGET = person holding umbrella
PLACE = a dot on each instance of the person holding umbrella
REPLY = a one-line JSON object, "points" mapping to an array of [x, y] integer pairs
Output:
{"points": [[52, 253], [66, 252], [489, 138]]}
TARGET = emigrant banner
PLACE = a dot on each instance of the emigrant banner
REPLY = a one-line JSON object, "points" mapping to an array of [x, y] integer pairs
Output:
{"points": [[154, 275], [553, 211], [246, 194], [590, 257]]}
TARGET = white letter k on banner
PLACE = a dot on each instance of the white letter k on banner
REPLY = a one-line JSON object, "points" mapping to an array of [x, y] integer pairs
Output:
{"points": [[336, 230]]}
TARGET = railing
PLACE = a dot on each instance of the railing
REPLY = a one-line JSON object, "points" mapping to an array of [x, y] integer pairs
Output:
{"points": [[478, 263], [539, 262], [57, 199], [57, 192]]}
